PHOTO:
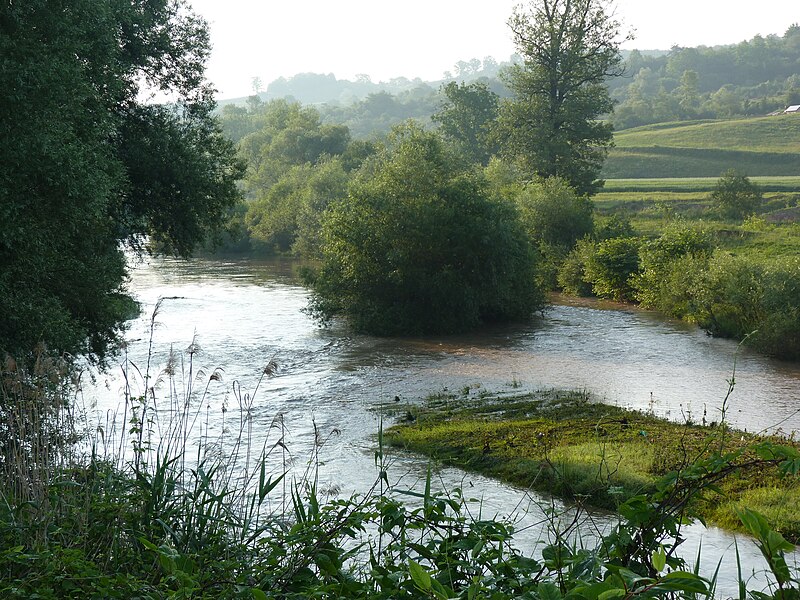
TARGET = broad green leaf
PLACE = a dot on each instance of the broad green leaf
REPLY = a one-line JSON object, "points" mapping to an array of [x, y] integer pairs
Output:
{"points": [[659, 559], [419, 576], [549, 591], [610, 594], [682, 581]]}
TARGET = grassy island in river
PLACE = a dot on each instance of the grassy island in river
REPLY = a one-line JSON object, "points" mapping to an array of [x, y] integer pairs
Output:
{"points": [[568, 445]]}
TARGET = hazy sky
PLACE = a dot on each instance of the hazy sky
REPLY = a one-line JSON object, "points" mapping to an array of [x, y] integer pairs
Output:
{"points": [[425, 38]]}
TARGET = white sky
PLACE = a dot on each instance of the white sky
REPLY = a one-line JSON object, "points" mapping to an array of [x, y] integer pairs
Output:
{"points": [[425, 38]]}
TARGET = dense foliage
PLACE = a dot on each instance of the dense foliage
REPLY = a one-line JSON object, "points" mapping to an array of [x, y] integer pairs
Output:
{"points": [[554, 217], [553, 214], [296, 166], [664, 259], [85, 166], [753, 77], [552, 123], [681, 274], [419, 247], [736, 196], [467, 117]]}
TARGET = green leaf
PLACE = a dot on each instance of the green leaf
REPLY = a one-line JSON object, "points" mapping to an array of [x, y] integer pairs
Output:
{"points": [[549, 591], [682, 581], [596, 590], [609, 594], [440, 591], [754, 522], [659, 559], [419, 576], [258, 594], [148, 544], [325, 564]]}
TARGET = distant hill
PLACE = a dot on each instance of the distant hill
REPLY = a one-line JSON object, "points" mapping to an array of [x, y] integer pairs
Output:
{"points": [[318, 88], [754, 146]]}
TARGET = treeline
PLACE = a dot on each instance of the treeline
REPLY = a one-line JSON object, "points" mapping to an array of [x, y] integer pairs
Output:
{"points": [[318, 88], [367, 117], [754, 77]]}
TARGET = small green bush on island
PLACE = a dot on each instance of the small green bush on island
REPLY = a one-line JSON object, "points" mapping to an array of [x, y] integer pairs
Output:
{"points": [[418, 246]]}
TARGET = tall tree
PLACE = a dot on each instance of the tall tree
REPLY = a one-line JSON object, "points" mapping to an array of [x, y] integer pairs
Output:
{"points": [[552, 124], [467, 117], [85, 165]]}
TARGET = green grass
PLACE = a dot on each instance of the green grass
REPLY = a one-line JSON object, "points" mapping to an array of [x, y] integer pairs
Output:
{"points": [[692, 185], [565, 444], [651, 204], [779, 134], [761, 146]]}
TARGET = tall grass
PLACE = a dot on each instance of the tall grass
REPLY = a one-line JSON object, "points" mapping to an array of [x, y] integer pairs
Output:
{"points": [[38, 437]]}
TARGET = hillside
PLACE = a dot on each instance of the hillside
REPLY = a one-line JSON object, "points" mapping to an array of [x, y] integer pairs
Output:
{"points": [[765, 146]]}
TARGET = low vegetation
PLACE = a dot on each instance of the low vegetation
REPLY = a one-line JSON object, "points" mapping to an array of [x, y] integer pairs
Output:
{"points": [[566, 444]]}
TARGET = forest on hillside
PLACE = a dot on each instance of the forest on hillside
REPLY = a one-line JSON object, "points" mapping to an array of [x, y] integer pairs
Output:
{"points": [[754, 77]]}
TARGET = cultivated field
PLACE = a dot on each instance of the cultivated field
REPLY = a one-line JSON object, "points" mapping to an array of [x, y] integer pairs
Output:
{"points": [[760, 146]]}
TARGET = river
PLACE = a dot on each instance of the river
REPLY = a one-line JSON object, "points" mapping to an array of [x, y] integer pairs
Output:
{"points": [[332, 384]]}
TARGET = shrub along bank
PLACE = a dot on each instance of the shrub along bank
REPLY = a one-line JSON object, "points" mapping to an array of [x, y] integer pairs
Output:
{"points": [[684, 274]]}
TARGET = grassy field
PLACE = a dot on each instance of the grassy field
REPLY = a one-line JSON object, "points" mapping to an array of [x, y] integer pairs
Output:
{"points": [[790, 183], [778, 134], [761, 146], [565, 444], [650, 204]]}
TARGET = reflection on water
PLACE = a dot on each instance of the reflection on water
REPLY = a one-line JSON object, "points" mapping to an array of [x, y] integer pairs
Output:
{"points": [[243, 314]]}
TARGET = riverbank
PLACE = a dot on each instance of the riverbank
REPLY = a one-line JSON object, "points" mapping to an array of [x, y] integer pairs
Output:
{"points": [[565, 444]]}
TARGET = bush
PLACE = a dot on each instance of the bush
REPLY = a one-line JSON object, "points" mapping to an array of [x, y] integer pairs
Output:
{"points": [[729, 299], [738, 297], [736, 196], [779, 332], [610, 268], [572, 271], [418, 247], [662, 282], [614, 227], [553, 213]]}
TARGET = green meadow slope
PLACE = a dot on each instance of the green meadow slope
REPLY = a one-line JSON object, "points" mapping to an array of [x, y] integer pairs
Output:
{"points": [[760, 146]]}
